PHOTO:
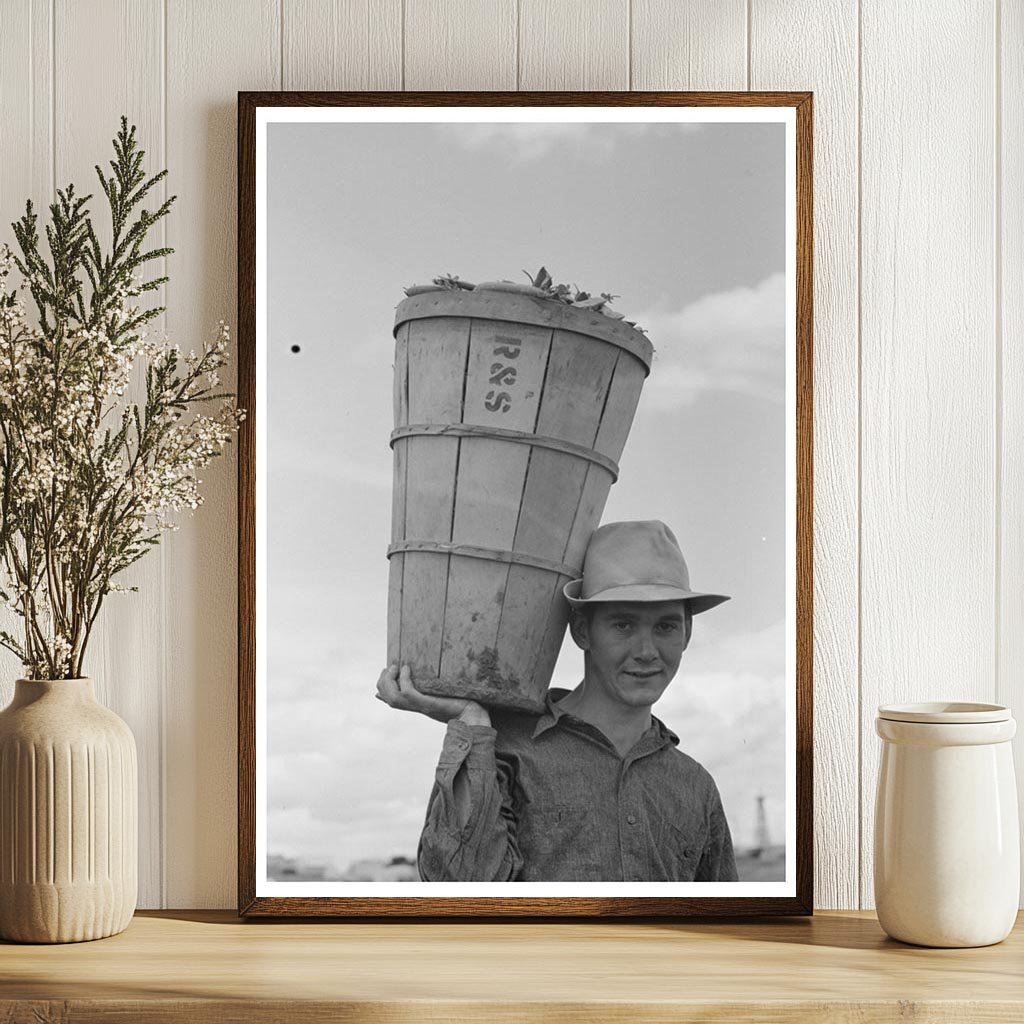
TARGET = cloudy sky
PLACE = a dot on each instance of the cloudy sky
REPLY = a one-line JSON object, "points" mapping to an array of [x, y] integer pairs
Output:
{"points": [[686, 224]]}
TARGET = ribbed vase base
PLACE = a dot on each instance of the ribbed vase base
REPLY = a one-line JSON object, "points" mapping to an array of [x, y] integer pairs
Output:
{"points": [[63, 913]]}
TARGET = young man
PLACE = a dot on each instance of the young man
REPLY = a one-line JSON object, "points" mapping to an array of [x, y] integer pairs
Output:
{"points": [[594, 789]]}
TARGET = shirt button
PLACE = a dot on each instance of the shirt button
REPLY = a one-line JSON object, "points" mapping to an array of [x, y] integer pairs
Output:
{"points": [[631, 818]]}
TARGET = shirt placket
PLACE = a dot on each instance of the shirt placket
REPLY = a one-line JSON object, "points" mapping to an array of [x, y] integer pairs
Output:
{"points": [[630, 825], [634, 828], [602, 749]]}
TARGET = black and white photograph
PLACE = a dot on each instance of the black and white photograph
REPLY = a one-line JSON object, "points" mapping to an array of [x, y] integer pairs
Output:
{"points": [[525, 517]]}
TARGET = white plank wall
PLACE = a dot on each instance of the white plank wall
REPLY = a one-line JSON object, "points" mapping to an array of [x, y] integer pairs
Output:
{"points": [[814, 46], [467, 45], [690, 45], [1009, 315], [130, 33], [342, 44], [919, 316], [26, 106], [928, 511], [213, 50], [573, 44], [26, 129]]}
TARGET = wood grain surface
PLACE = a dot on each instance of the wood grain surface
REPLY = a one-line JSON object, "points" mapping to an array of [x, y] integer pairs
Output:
{"points": [[438, 350], [573, 44], [690, 44], [1009, 314], [132, 675], [781, 56], [489, 488], [229, 45], [208, 966], [26, 126], [468, 45], [342, 44], [928, 368]]}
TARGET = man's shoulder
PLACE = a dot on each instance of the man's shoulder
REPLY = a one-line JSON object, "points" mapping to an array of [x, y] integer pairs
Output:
{"points": [[691, 770], [518, 730], [513, 727], [519, 723]]}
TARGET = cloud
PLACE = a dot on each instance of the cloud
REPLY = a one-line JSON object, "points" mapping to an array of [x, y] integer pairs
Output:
{"points": [[731, 340], [727, 705], [349, 777], [524, 142]]}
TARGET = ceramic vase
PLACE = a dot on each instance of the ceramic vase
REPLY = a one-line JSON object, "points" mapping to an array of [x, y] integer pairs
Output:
{"points": [[68, 815], [947, 847]]}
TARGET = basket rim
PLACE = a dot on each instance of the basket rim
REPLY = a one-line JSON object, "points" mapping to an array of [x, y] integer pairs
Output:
{"points": [[525, 309]]}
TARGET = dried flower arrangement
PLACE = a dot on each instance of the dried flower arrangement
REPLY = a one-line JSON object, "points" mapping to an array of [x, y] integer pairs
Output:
{"points": [[541, 286], [87, 476]]}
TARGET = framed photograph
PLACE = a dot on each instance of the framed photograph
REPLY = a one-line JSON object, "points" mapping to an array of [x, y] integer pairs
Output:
{"points": [[525, 503]]}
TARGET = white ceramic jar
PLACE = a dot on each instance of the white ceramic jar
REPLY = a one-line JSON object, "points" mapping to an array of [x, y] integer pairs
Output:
{"points": [[947, 847]]}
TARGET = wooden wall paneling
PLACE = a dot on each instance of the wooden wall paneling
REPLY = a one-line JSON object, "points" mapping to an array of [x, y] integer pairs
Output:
{"points": [[26, 123], [690, 44], [814, 46], [468, 45], [125, 655], [928, 516], [342, 44], [1010, 314], [574, 44], [26, 108], [940, 592], [213, 51]]}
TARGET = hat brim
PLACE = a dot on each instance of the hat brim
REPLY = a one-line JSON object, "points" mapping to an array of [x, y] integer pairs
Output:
{"points": [[643, 592]]}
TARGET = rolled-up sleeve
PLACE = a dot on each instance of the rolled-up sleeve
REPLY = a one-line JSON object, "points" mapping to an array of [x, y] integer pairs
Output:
{"points": [[469, 831]]}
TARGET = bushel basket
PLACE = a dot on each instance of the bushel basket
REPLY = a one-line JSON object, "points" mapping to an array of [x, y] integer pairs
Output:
{"points": [[511, 413]]}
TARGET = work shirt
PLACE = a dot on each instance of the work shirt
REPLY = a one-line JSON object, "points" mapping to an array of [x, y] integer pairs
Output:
{"points": [[550, 799]]}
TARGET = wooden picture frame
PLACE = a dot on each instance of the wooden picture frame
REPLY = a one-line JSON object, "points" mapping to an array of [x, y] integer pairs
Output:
{"points": [[258, 897]]}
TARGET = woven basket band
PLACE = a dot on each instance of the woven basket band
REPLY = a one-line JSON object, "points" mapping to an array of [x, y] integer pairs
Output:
{"points": [[500, 434], [489, 554]]}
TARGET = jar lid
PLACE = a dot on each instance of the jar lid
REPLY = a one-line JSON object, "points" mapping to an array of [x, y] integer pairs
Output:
{"points": [[945, 712]]}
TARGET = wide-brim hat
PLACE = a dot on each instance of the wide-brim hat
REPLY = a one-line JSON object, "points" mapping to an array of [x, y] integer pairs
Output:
{"points": [[636, 561]]}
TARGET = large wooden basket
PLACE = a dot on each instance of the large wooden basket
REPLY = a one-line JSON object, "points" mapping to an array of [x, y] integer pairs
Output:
{"points": [[510, 415]]}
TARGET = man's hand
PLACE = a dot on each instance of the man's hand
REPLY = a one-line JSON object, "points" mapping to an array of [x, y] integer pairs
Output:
{"points": [[397, 690]]}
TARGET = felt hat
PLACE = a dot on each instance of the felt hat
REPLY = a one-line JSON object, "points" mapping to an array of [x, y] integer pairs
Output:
{"points": [[636, 561]]}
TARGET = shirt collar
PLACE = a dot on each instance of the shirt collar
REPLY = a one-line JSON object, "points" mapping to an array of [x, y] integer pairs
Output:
{"points": [[554, 712]]}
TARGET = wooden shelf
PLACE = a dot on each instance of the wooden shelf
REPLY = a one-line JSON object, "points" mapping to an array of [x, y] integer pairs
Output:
{"points": [[203, 967]]}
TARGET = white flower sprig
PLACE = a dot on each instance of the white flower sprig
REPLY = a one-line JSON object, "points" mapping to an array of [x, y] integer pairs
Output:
{"points": [[89, 479]]}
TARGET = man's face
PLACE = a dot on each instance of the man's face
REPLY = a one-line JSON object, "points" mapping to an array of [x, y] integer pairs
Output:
{"points": [[633, 648]]}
